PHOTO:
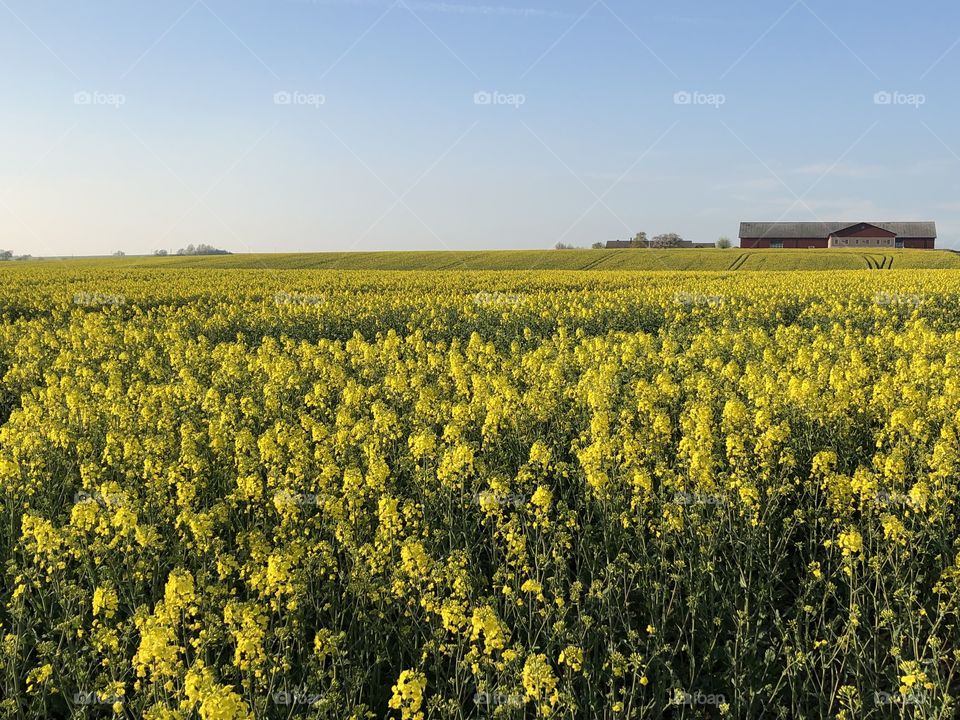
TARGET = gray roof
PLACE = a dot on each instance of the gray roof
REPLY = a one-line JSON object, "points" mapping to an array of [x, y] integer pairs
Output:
{"points": [[825, 229]]}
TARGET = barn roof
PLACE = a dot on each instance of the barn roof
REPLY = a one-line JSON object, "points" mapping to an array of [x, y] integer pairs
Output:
{"points": [[825, 229]]}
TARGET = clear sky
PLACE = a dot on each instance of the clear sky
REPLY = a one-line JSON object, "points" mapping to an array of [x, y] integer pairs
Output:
{"points": [[314, 125]]}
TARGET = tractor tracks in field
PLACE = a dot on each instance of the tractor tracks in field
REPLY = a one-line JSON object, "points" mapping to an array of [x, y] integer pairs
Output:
{"points": [[593, 263], [738, 263], [878, 262]]}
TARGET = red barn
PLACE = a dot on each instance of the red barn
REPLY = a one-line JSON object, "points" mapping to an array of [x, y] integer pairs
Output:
{"points": [[919, 235]]}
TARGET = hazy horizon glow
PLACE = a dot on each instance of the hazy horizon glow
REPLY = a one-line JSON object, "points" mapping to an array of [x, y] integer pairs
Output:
{"points": [[331, 125]]}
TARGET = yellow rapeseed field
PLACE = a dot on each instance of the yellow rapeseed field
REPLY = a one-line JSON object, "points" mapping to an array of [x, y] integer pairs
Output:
{"points": [[293, 493]]}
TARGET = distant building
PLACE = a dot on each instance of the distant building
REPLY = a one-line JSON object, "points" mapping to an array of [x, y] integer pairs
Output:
{"points": [[918, 235]]}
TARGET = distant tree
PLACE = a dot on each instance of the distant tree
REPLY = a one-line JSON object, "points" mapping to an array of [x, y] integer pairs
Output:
{"points": [[724, 242], [119, 253], [564, 246], [598, 246], [160, 253], [201, 249], [5, 255], [639, 240], [667, 240]]}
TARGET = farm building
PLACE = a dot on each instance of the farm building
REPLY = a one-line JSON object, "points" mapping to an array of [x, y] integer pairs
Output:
{"points": [[918, 235]]}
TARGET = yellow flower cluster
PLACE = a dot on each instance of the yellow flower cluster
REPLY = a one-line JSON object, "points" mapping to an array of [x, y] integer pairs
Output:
{"points": [[540, 683], [408, 695]]}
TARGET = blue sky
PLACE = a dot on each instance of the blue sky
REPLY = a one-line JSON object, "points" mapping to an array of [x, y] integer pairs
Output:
{"points": [[314, 125]]}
